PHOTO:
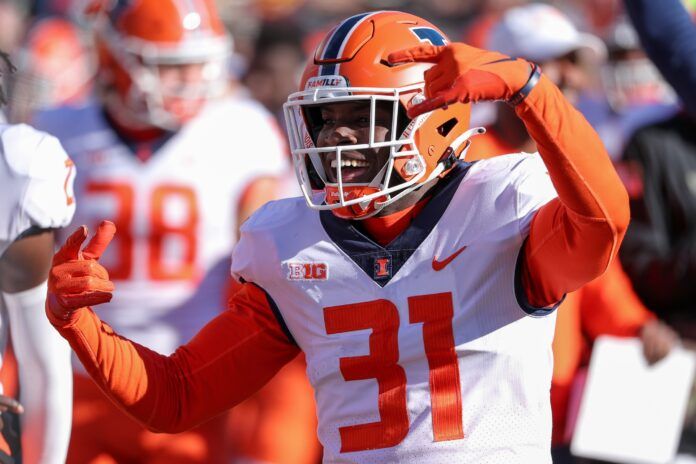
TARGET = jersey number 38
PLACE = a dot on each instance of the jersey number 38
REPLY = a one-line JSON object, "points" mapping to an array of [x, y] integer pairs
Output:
{"points": [[160, 266]]}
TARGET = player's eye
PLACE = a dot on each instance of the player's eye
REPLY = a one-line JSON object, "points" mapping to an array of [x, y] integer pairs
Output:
{"points": [[327, 121], [363, 121]]}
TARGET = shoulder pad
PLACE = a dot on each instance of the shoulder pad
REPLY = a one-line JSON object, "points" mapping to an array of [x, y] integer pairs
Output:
{"points": [[256, 245], [276, 214]]}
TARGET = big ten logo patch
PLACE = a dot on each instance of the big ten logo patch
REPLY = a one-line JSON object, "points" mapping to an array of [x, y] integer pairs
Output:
{"points": [[382, 267], [307, 271]]}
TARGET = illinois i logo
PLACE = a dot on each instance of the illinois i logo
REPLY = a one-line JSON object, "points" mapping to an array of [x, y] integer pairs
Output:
{"points": [[382, 267]]}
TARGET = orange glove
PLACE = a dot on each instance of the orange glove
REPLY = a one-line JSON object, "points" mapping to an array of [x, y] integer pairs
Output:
{"points": [[76, 279], [466, 74]]}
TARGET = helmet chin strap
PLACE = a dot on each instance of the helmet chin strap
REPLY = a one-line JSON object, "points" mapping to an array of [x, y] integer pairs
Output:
{"points": [[464, 138]]}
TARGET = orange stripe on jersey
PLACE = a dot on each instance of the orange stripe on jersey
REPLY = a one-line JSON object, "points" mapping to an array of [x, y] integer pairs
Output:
{"points": [[70, 166], [436, 313]]}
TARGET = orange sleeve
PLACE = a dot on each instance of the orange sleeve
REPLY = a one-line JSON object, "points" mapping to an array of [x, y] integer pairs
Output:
{"points": [[610, 306], [574, 237], [228, 360]]}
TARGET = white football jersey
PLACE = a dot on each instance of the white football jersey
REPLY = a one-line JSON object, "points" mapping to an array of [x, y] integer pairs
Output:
{"points": [[425, 350], [37, 182], [175, 212], [36, 176]]}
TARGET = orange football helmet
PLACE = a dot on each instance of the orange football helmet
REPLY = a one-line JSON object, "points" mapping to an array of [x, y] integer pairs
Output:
{"points": [[351, 65], [137, 39]]}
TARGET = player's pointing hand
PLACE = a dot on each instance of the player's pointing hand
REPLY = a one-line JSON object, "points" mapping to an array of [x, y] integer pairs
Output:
{"points": [[462, 73], [77, 279]]}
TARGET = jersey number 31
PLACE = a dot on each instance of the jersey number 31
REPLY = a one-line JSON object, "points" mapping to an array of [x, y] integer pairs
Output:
{"points": [[435, 312]]}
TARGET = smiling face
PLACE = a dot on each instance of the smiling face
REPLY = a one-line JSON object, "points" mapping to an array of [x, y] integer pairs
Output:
{"points": [[348, 123]]}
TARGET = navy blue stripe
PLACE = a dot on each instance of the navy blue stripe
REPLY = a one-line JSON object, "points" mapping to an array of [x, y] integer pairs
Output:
{"points": [[276, 311], [328, 70], [334, 45], [521, 295]]}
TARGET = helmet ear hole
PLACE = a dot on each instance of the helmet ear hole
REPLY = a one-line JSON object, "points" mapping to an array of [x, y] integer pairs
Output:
{"points": [[445, 128]]}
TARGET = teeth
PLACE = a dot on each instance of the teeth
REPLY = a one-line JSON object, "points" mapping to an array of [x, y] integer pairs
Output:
{"points": [[350, 164]]}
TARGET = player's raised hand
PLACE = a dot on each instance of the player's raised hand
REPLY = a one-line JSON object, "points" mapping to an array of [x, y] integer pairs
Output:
{"points": [[462, 73], [76, 278]]}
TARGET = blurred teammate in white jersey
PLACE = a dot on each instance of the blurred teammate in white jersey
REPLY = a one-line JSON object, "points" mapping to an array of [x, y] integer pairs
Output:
{"points": [[36, 179], [176, 161]]}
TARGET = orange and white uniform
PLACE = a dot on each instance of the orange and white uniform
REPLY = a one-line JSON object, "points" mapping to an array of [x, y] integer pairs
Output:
{"points": [[176, 210], [176, 207], [409, 363], [433, 323]]}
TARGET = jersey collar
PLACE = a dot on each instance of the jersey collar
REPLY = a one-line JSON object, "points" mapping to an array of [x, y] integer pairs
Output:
{"points": [[382, 263]]}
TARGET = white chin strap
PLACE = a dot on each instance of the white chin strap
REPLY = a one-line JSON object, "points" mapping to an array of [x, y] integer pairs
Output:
{"points": [[464, 138]]}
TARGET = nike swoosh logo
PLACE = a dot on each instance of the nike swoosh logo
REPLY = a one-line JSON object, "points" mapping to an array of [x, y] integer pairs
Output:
{"points": [[440, 265]]}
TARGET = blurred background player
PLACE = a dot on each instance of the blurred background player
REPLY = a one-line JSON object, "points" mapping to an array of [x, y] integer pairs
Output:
{"points": [[37, 197], [177, 160]]}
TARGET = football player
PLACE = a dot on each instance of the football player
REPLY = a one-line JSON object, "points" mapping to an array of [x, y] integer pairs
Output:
{"points": [[420, 287], [177, 162], [37, 197]]}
